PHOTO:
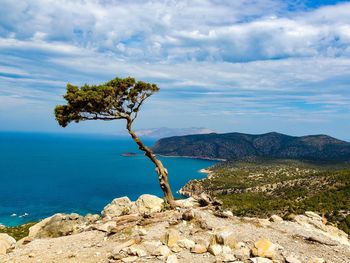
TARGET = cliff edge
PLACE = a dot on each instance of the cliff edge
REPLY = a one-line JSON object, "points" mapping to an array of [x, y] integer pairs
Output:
{"points": [[197, 231]]}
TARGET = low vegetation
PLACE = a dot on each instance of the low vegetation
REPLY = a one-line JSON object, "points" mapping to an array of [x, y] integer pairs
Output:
{"points": [[284, 187], [17, 232]]}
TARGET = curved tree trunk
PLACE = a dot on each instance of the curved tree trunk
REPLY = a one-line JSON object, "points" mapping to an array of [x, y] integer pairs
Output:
{"points": [[160, 169]]}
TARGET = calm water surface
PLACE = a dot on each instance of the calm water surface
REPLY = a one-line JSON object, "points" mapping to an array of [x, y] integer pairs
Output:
{"points": [[42, 174]]}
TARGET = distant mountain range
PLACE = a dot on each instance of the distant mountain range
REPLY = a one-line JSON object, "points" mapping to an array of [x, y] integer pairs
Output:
{"points": [[167, 132], [236, 146]]}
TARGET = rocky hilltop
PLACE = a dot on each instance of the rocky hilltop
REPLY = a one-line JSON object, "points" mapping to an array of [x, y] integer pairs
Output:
{"points": [[197, 231], [236, 146]]}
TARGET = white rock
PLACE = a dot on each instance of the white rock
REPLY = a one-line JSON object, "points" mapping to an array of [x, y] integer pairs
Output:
{"points": [[226, 250], [227, 213], [136, 250], [119, 206], [226, 237], [276, 219], [106, 227], [161, 251], [199, 249], [215, 250], [186, 243], [147, 204], [151, 246], [313, 215], [186, 203], [242, 253], [228, 258], [171, 237]]}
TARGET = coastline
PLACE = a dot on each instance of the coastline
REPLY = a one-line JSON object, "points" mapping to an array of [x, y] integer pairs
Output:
{"points": [[207, 171], [194, 187], [193, 157]]}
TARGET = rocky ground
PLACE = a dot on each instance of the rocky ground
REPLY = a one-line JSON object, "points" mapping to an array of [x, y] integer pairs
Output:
{"points": [[198, 231]]}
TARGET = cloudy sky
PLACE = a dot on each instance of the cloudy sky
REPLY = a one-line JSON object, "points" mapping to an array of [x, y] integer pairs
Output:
{"points": [[246, 65]]}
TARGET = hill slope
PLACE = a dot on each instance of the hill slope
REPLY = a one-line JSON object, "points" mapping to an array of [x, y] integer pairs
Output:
{"points": [[234, 146]]}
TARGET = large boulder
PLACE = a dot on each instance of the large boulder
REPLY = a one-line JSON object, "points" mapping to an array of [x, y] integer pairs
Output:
{"points": [[148, 204], [119, 206], [313, 222], [7, 243], [58, 225]]}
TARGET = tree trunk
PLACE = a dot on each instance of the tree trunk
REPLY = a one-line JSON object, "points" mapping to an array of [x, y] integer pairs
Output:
{"points": [[160, 169]]}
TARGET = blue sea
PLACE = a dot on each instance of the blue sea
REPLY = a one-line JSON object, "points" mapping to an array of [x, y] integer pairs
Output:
{"points": [[42, 174]]}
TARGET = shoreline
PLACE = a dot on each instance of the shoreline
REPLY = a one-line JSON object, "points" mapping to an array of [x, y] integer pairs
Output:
{"points": [[195, 182], [193, 157]]}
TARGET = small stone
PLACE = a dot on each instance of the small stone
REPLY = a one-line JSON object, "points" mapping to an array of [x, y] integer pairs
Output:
{"points": [[240, 245], [161, 251], [186, 243], [142, 232], [188, 215], [226, 250], [176, 249], [204, 225], [242, 253], [229, 258], [107, 227], [151, 246], [136, 250], [215, 250], [264, 248], [171, 237], [226, 237], [227, 213], [199, 249], [202, 242], [31, 255], [276, 219], [171, 259]]}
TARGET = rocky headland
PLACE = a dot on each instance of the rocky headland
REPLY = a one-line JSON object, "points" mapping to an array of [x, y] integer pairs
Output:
{"points": [[199, 230]]}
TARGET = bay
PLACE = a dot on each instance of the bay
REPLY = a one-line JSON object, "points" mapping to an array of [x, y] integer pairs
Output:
{"points": [[42, 174]]}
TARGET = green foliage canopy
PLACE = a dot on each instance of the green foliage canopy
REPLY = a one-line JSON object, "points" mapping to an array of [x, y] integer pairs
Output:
{"points": [[116, 99]]}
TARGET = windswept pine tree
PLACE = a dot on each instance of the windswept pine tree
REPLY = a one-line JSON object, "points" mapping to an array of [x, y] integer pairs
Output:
{"points": [[114, 100]]}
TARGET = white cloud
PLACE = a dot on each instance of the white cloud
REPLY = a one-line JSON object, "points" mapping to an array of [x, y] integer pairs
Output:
{"points": [[211, 58]]}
